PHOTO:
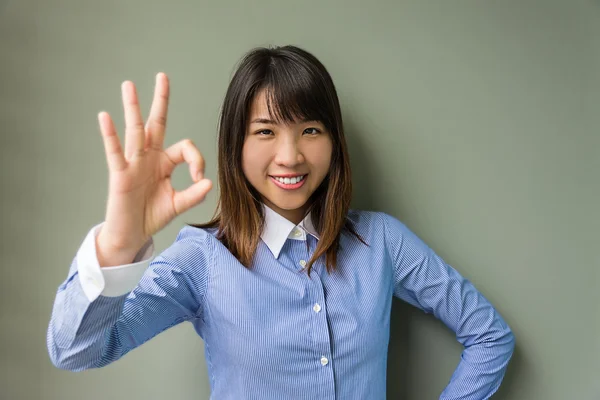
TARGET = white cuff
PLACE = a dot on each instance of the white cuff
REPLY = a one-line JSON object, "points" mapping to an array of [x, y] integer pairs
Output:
{"points": [[109, 281]]}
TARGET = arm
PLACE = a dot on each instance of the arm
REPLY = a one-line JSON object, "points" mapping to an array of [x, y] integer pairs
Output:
{"points": [[424, 280], [109, 281], [96, 318]]}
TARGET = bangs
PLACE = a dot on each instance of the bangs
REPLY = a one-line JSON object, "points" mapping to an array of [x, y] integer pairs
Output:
{"points": [[294, 93]]}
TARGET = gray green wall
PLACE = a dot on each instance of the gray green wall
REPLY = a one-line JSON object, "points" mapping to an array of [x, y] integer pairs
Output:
{"points": [[474, 122]]}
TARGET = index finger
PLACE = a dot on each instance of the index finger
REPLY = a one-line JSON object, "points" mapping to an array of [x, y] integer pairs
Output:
{"points": [[157, 120], [185, 150]]}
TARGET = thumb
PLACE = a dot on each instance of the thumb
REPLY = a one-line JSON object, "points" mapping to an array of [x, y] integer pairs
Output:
{"points": [[186, 199]]}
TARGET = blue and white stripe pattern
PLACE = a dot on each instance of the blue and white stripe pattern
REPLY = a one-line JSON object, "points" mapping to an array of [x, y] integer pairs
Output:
{"points": [[270, 332]]}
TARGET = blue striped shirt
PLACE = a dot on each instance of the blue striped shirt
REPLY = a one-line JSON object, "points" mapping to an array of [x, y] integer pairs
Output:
{"points": [[270, 332]]}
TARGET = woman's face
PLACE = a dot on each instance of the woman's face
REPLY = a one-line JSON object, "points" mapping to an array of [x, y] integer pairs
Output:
{"points": [[285, 163]]}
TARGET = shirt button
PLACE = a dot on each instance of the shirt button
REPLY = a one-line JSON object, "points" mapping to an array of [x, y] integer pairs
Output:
{"points": [[317, 307], [302, 262], [324, 361]]}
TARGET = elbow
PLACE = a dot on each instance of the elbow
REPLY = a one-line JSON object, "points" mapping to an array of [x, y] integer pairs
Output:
{"points": [[64, 358], [66, 362], [501, 340], [512, 340], [507, 341], [61, 363], [58, 360]]}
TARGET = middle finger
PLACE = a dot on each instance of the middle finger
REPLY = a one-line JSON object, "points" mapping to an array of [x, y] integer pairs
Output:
{"points": [[157, 120], [134, 126]]}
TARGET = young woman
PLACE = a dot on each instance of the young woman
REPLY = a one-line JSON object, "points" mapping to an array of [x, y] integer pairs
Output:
{"points": [[290, 290]]}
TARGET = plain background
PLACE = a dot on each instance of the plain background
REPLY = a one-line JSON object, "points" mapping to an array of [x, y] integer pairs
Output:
{"points": [[474, 122]]}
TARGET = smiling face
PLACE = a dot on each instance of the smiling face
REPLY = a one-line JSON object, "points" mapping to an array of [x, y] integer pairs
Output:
{"points": [[284, 161]]}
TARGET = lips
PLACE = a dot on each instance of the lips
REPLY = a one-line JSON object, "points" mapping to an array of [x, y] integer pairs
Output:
{"points": [[288, 182], [287, 175]]}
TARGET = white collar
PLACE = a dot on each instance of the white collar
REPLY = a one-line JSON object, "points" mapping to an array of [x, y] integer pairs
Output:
{"points": [[278, 229]]}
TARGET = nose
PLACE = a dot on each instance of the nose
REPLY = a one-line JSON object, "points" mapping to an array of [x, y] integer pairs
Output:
{"points": [[288, 153]]}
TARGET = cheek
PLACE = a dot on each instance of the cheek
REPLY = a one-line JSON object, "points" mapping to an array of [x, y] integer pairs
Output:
{"points": [[321, 155], [253, 160], [246, 160], [248, 167]]}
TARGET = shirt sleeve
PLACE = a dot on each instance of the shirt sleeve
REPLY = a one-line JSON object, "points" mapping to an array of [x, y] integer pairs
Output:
{"points": [[424, 280], [85, 333], [109, 281]]}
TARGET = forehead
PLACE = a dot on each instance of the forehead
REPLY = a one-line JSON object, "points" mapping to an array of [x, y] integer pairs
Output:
{"points": [[282, 107], [258, 107]]}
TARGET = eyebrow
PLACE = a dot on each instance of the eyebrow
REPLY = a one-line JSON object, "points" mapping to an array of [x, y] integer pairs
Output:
{"points": [[263, 121], [270, 121]]}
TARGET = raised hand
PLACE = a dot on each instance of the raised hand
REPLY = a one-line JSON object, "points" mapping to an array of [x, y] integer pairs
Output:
{"points": [[141, 199]]}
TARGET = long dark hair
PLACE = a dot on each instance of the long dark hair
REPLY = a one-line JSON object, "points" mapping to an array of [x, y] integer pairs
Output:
{"points": [[298, 87]]}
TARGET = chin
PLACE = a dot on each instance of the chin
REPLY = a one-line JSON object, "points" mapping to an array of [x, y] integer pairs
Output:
{"points": [[289, 204]]}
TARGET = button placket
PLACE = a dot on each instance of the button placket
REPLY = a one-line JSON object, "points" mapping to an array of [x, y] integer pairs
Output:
{"points": [[320, 332], [320, 322]]}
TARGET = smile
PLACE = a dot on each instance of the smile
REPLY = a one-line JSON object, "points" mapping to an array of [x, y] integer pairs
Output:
{"points": [[289, 183]]}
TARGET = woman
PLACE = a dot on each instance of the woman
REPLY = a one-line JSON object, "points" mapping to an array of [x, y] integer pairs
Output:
{"points": [[290, 290]]}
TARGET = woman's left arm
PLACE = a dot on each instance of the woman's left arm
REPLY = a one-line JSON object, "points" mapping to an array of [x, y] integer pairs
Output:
{"points": [[424, 280]]}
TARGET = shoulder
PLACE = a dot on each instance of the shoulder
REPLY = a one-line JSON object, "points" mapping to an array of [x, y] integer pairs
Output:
{"points": [[192, 246], [193, 234], [381, 225], [373, 220], [364, 218], [186, 263], [369, 225]]}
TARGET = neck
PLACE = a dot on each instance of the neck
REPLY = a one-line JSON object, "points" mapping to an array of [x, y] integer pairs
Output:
{"points": [[295, 216]]}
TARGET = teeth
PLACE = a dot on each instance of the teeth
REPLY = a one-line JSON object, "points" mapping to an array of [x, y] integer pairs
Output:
{"points": [[290, 181]]}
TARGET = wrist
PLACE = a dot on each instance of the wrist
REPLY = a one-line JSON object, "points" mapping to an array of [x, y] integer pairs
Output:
{"points": [[109, 254]]}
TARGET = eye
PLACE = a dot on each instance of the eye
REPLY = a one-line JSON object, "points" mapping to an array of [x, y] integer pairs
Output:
{"points": [[312, 131], [264, 132]]}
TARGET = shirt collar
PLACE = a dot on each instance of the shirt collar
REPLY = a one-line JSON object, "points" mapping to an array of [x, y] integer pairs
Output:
{"points": [[278, 229]]}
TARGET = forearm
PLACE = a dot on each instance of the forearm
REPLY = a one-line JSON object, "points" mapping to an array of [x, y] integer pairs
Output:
{"points": [[481, 369], [77, 336], [83, 330]]}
